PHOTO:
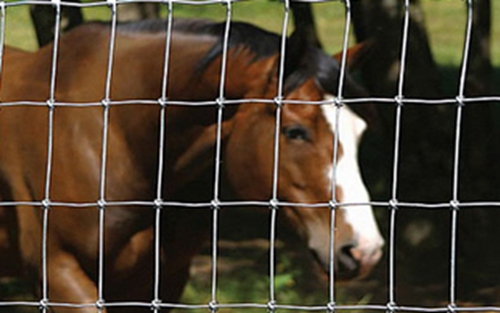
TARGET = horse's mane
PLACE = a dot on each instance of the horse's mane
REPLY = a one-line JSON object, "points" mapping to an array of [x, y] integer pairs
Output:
{"points": [[262, 43], [302, 61]]}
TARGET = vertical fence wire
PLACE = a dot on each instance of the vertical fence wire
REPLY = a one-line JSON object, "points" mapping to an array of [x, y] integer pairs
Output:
{"points": [[333, 187], [456, 157], [48, 170], [161, 160], [220, 115], [277, 131], [395, 172], [104, 153]]}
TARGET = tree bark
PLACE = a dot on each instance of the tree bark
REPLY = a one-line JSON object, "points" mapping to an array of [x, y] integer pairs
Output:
{"points": [[43, 17], [480, 71], [382, 22]]}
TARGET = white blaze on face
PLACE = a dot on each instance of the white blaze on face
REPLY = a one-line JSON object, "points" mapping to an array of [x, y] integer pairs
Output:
{"points": [[348, 179]]}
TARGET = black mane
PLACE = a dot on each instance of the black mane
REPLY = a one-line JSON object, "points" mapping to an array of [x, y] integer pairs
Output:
{"points": [[302, 61]]}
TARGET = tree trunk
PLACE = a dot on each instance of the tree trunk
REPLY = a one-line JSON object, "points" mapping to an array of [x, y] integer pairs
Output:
{"points": [[43, 17], [479, 76], [382, 22]]}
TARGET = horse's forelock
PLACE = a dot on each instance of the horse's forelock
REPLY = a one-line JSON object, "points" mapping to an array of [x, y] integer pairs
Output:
{"points": [[311, 62]]}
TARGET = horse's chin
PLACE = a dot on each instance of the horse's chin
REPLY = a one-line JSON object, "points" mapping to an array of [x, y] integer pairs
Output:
{"points": [[347, 268]]}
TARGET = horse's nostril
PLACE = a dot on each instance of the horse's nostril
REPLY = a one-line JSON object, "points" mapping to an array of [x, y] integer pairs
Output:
{"points": [[348, 265]]}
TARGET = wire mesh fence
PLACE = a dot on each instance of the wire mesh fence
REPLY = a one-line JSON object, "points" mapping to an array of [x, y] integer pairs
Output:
{"points": [[221, 103]]}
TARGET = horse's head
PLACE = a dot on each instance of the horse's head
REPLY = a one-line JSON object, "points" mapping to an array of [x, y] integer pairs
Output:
{"points": [[306, 169], [306, 150], [307, 136]]}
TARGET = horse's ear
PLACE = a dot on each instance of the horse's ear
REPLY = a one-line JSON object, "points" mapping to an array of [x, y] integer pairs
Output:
{"points": [[200, 154], [297, 48], [356, 55]]}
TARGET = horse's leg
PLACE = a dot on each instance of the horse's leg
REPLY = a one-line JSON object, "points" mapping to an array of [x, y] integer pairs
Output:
{"points": [[131, 274], [10, 263], [68, 283], [134, 267], [10, 260], [183, 234], [175, 275]]}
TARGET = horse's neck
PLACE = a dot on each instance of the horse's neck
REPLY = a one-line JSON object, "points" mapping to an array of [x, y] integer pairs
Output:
{"points": [[139, 68], [244, 74]]}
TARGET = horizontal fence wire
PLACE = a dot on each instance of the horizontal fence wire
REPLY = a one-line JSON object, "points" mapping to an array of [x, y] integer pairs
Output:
{"points": [[393, 204], [469, 100]]}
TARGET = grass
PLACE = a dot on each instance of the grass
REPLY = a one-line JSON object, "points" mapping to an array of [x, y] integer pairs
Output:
{"points": [[446, 25], [445, 20]]}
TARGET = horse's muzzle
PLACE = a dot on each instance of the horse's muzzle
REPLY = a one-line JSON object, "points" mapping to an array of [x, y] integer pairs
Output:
{"points": [[354, 262]]}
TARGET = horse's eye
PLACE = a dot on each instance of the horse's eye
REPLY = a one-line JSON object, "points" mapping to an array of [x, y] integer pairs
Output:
{"points": [[296, 132]]}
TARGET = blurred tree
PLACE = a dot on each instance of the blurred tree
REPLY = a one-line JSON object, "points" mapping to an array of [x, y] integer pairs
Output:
{"points": [[426, 150], [479, 78], [43, 17], [382, 22], [304, 24]]}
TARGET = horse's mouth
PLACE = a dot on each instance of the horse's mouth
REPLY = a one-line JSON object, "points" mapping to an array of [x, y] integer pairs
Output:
{"points": [[346, 266]]}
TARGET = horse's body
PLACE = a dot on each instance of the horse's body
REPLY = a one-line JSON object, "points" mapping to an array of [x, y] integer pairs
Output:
{"points": [[306, 150]]}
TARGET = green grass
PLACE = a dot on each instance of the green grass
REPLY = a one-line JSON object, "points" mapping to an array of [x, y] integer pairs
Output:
{"points": [[446, 26], [445, 20], [266, 14], [19, 30]]}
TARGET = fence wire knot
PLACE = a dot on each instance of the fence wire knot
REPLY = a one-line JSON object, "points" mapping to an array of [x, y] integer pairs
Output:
{"points": [[215, 204], [226, 2], [391, 306], [332, 204], [454, 205], [51, 104], [156, 305], [213, 306], [46, 204], [278, 101], [452, 308], [163, 102], [287, 5], [101, 204], [158, 203], [105, 103], [112, 4], [220, 102], [460, 101], [273, 204], [44, 304], [399, 100], [393, 204], [331, 306], [338, 102], [271, 306], [99, 304]]}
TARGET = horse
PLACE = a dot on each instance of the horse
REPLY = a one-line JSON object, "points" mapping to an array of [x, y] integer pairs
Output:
{"points": [[305, 163]]}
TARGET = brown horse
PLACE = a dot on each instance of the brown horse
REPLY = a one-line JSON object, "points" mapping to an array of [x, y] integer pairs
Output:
{"points": [[306, 142]]}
